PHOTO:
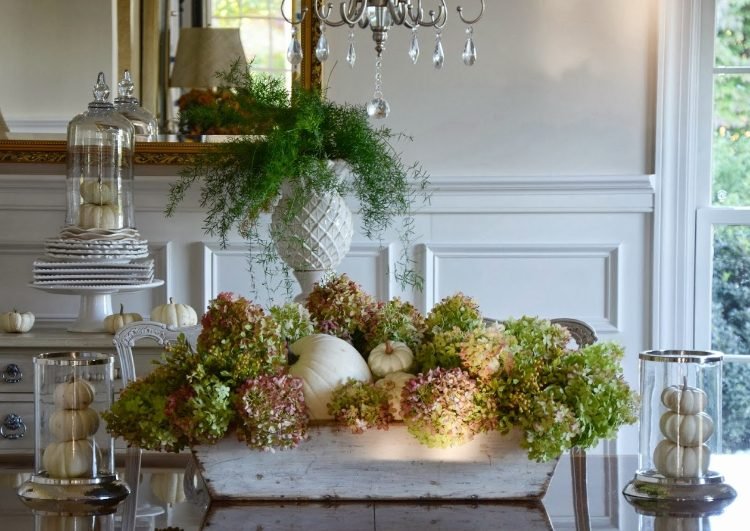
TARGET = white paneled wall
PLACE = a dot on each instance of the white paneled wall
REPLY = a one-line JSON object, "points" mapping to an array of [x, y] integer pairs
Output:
{"points": [[567, 246]]}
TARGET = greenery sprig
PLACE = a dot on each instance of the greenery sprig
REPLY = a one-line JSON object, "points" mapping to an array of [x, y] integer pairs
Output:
{"points": [[301, 132]]}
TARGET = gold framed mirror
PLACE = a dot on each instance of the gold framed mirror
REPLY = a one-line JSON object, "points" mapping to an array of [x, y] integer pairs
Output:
{"points": [[50, 148]]}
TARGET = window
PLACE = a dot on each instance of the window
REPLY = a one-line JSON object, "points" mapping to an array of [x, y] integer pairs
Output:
{"points": [[264, 32], [722, 316]]}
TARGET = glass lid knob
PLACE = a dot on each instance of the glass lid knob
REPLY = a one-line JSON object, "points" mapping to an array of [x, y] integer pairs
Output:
{"points": [[101, 89]]}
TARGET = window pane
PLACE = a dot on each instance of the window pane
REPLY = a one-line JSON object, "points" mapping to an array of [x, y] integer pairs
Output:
{"points": [[731, 140], [732, 33], [730, 329]]}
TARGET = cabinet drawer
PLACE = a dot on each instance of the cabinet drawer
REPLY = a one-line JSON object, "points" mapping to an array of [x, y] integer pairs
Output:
{"points": [[17, 439]]}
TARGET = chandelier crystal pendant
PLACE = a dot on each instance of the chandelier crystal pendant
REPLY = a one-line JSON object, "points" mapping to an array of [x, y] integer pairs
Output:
{"points": [[380, 16]]}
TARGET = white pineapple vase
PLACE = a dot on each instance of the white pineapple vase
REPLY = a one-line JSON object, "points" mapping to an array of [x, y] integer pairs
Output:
{"points": [[315, 238]]}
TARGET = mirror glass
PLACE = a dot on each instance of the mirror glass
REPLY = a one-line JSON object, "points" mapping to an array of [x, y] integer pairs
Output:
{"points": [[48, 73]]}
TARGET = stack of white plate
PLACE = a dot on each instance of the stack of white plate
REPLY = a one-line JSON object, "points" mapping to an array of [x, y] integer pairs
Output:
{"points": [[95, 273], [114, 251]]}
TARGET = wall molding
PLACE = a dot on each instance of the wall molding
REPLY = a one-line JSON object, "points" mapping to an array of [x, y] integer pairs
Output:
{"points": [[383, 257], [431, 255], [452, 195]]}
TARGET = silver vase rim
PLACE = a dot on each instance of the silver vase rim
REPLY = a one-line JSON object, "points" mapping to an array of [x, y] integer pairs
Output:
{"points": [[682, 356], [73, 358]]}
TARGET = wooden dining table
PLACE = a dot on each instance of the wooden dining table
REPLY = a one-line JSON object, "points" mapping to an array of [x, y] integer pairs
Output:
{"points": [[172, 496]]}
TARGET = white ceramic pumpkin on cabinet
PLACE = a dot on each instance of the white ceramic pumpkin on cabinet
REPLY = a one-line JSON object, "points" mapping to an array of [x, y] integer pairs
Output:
{"points": [[112, 323], [16, 322], [175, 314]]}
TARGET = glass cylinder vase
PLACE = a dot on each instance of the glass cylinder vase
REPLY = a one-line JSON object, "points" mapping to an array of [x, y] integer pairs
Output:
{"points": [[74, 459], [680, 428]]}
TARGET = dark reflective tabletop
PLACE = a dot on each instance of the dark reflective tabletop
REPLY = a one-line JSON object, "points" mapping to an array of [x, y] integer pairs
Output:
{"points": [[170, 497]]}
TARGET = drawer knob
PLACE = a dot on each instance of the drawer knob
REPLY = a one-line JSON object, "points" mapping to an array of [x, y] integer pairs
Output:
{"points": [[12, 427], [12, 373]]}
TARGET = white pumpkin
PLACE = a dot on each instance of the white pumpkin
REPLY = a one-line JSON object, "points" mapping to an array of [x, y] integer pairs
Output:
{"points": [[684, 399], [74, 394], [71, 459], [395, 382], [675, 461], [168, 486], [389, 357], [73, 424], [93, 216], [174, 314], [16, 322], [325, 362], [686, 430], [112, 323], [97, 192]]}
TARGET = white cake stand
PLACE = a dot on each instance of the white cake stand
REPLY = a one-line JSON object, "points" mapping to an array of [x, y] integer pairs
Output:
{"points": [[96, 302]]}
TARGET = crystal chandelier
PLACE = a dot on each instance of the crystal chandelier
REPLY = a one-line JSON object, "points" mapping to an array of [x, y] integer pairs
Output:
{"points": [[380, 16]]}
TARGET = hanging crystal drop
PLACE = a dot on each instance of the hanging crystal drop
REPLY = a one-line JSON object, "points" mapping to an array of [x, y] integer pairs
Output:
{"points": [[414, 47], [378, 107], [351, 54], [470, 51], [322, 51], [438, 57], [294, 52]]}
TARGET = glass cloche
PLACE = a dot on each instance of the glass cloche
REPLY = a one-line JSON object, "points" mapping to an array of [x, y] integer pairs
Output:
{"points": [[100, 166], [144, 123]]}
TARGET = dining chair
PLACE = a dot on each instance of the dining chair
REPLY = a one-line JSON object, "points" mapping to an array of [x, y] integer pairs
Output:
{"points": [[124, 340], [583, 334]]}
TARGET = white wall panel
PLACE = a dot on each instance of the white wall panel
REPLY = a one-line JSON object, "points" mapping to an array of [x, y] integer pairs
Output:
{"points": [[548, 280], [227, 269]]}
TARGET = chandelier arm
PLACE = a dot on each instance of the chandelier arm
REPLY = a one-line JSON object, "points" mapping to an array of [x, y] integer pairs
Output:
{"points": [[438, 19], [352, 17], [398, 12], [474, 20], [299, 19]]}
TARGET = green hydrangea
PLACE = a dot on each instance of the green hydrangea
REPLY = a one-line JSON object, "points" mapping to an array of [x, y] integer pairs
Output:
{"points": [[441, 350], [272, 412], [239, 341], [456, 311], [139, 414], [294, 321], [446, 407], [361, 406], [485, 352], [340, 307], [395, 320]]}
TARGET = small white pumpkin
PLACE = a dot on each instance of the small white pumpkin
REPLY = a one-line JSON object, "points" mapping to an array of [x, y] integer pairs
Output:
{"points": [[325, 362], [686, 430], [73, 424], [71, 459], [684, 399], [74, 394], [395, 382], [16, 322], [97, 192], [174, 314], [389, 357], [112, 323], [675, 461], [93, 216]]}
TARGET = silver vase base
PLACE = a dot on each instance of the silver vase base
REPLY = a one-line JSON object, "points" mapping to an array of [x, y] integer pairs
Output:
{"points": [[73, 497], [651, 493]]}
